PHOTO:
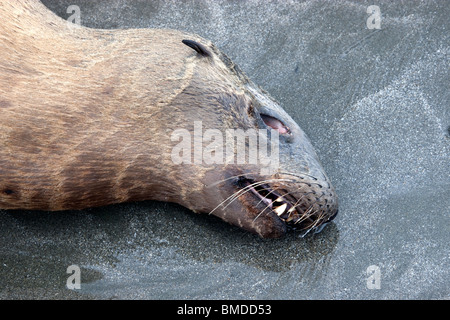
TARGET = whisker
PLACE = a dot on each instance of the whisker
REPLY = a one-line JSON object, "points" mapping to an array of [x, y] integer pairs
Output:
{"points": [[297, 175], [241, 175], [268, 206], [302, 176], [305, 215], [288, 193], [232, 177], [259, 214], [256, 173], [305, 194], [311, 227], [244, 190], [319, 218]]}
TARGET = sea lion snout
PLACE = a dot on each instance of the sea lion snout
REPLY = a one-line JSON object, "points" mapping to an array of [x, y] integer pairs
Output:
{"points": [[272, 205]]}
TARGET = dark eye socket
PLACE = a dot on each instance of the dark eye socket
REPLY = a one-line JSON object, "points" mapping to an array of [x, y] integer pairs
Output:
{"points": [[275, 124]]}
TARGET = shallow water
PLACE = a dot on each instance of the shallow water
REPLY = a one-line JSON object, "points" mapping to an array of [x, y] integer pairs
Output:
{"points": [[375, 104]]}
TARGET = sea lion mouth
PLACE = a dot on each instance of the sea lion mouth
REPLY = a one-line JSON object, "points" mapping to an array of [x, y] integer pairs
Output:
{"points": [[289, 209]]}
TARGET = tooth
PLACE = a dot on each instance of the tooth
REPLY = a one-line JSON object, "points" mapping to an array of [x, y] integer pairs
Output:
{"points": [[281, 209], [290, 214]]}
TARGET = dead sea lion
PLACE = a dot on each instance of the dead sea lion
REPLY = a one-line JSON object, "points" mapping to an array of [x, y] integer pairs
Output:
{"points": [[87, 119]]}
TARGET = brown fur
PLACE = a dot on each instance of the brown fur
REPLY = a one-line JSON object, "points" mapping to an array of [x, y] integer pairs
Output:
{"points": [[80, 109]]}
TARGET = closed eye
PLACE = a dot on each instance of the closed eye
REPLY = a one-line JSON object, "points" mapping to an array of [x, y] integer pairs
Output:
{"points": [[275, 124]]}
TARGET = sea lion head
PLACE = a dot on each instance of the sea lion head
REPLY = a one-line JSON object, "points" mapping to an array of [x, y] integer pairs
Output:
{"points": [[266, 187], [94, 117]]}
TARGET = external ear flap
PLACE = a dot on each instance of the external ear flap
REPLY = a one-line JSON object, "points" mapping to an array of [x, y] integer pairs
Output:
{"points": [[201, 49]]}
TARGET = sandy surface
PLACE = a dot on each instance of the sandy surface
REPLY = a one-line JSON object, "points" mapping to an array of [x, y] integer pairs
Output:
{"points": [[375, 104]]}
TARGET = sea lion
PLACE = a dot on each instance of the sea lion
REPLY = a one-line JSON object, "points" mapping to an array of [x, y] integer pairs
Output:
{"points": [[88, 116]]}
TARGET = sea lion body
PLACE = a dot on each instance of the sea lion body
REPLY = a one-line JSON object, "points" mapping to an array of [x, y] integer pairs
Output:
{"points": [[80, 110], [86, 119]]}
